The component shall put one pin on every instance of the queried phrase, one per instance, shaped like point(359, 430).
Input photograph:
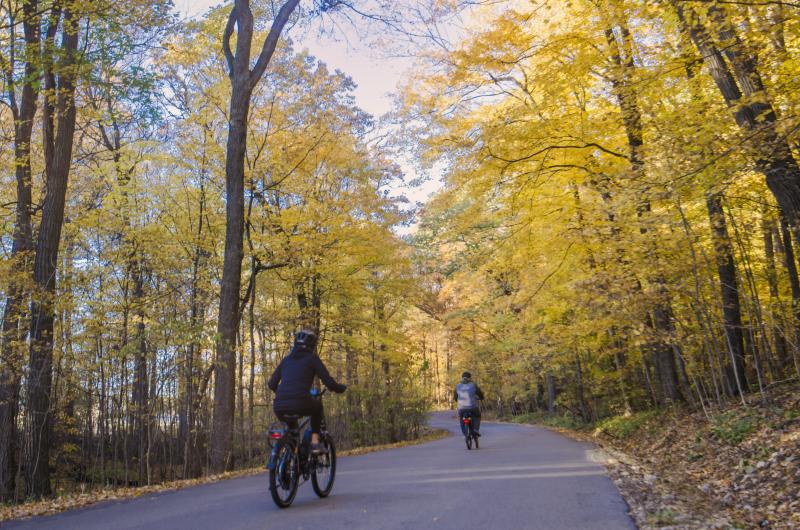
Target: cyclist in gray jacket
point(467, 395)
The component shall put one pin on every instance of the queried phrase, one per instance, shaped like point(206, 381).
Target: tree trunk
point(551, 394)
point(579, 390)
point(58, 143)
point(794, 283)
point(251, 383)
point(228, 321)
point(768, 229)
point(660, 323)
point(243, 80)
point(140, 378)
point(731, 311)
point(773, 155)
point(12, 335)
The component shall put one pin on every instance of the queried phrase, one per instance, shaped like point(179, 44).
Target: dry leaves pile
point(80, 500)
point(738, 468)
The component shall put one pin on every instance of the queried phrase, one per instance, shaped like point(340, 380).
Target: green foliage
point(560, 421)
point(626, 426)
point(732, 427)
point(664, 517)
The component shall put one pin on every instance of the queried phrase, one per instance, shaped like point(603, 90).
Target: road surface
point(522, 478)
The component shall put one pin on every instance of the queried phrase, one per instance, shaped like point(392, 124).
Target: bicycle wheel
point(283, 477)
point(324, 469)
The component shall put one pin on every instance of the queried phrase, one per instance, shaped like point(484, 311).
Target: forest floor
point(70, 501)
point(735, 467)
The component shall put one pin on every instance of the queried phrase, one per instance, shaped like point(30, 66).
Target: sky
point(376, 76)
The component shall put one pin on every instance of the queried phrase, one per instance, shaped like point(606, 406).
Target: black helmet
point(466, 375)
point(306, 339)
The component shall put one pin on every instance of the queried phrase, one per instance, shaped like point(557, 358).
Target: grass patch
point(732, 428)
point(663, 517)
point(626, 426)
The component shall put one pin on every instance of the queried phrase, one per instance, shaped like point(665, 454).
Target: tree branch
point(272, 41)
point(226, 40)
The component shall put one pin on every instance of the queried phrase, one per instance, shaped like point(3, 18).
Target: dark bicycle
point(291, 459)
point(470, 436)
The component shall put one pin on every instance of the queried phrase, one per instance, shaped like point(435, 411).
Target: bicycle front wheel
point(324, 469)
point(284, 475)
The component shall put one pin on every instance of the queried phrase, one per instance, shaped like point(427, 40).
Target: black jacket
point(293, 378)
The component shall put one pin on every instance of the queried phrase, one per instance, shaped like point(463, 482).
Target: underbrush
point(558, 421)
point(731, 427)
point(621, 427)
point(625, 426)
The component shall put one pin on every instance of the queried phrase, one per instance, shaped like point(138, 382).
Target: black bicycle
point(470, 436)
point(291, 459)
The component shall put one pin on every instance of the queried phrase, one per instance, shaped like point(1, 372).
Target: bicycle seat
point(291, 421)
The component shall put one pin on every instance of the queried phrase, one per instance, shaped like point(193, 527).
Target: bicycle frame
point(293, 435)
point(292, 462)
point(466, 420)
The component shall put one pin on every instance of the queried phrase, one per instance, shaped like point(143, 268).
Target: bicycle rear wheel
point(284, 475)
point(324, 469)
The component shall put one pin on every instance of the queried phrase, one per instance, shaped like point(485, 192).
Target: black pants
point(312, 408)
point(475, 413)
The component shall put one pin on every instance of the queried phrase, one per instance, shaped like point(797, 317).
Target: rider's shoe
point(478, 434)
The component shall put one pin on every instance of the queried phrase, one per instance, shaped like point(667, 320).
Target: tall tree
point(742, 88)
point(243, 81)
point(12, 336)
point(60, 64)
point(729, 289)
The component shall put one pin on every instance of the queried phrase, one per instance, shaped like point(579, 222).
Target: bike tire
point(286, 462)
point(323, 487)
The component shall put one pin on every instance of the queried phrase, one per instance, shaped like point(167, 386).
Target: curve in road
point(523, 477)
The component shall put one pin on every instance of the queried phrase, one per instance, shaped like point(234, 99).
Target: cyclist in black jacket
point(292, 381)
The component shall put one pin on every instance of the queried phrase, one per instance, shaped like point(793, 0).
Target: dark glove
point(341, 389)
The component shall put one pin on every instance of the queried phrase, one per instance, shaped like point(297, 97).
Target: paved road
point(521, 478)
